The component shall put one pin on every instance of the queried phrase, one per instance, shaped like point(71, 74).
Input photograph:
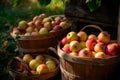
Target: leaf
point(93, 4)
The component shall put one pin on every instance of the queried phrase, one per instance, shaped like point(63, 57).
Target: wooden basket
point(39, 43)
point(27, 75)
point(76, 68)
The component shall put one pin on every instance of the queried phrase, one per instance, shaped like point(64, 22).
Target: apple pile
point(41, 24)
point(39, 64)
point(80, 44)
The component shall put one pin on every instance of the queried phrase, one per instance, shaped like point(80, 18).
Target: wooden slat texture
point(119, 26)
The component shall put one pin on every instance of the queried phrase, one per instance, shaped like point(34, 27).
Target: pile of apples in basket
point(80, 44)
point(41, 24)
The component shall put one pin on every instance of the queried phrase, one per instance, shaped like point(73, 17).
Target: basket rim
point(81, 60)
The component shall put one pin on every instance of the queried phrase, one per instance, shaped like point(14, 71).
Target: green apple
point(43, 31)
point(22, 24)
point(51, 65)
point(34, 63)
point(30, 29)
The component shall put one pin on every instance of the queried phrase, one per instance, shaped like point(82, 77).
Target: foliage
point(93, 4)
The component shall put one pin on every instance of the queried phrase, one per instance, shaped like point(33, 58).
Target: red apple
point(90, 43)
point(31, 23)
point(71, 36)
point(38, 24)
point(64, 41)
point(40, 57)
point(57, 28)
point(112, 49)
point(27, 58)
point(35, 33)
point(100, 47)
point(84, 53)
point(42, 16)
point(100, 55)
point(35, 18)
point(66, 48)
point(82, 36)
point(42, 68)
point(75, 46)
point(58, 22)
point(15, 31)
point(104, 37)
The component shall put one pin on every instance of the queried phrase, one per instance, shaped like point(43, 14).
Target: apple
point(92, 36)
point(113, 48)
point(73, 53)
point(71, 36)
point(15, 31)
point(83, 44)
point(43, 31)
point(57, 18)
point(66, 48)
point(63, 24)
point(42, 68)
point(58, 22)
point(51, 65)
point(40, 57)
point(74, 46)
point(84, 53)
point(35, 33)
point(31, 23)
point(46, 19)
point(22, 24)
point(100, 55)
point(38, 24)
point(48, 25)
point(33, 71)
point(90, 43)
point(27, 34)
point(29, 29)
point(104, 37)
point(21, 66)
point(57, 28)
point(100, 47)
point(53, 23)
point(42, 16)
point(27, 58)
point(34, 63)
point(82, 36)
point(35, 18)
point(64, 41)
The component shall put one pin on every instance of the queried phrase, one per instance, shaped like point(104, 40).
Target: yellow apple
point(100, 55)
point(73, 53)
point(71, 36)
point(92, 36)
point(104, 37)
point(75, 46)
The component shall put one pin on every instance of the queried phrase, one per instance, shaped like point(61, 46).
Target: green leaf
point(93, 4)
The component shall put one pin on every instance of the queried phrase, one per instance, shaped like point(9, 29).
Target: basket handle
point(24, 64)
point(92, 26)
